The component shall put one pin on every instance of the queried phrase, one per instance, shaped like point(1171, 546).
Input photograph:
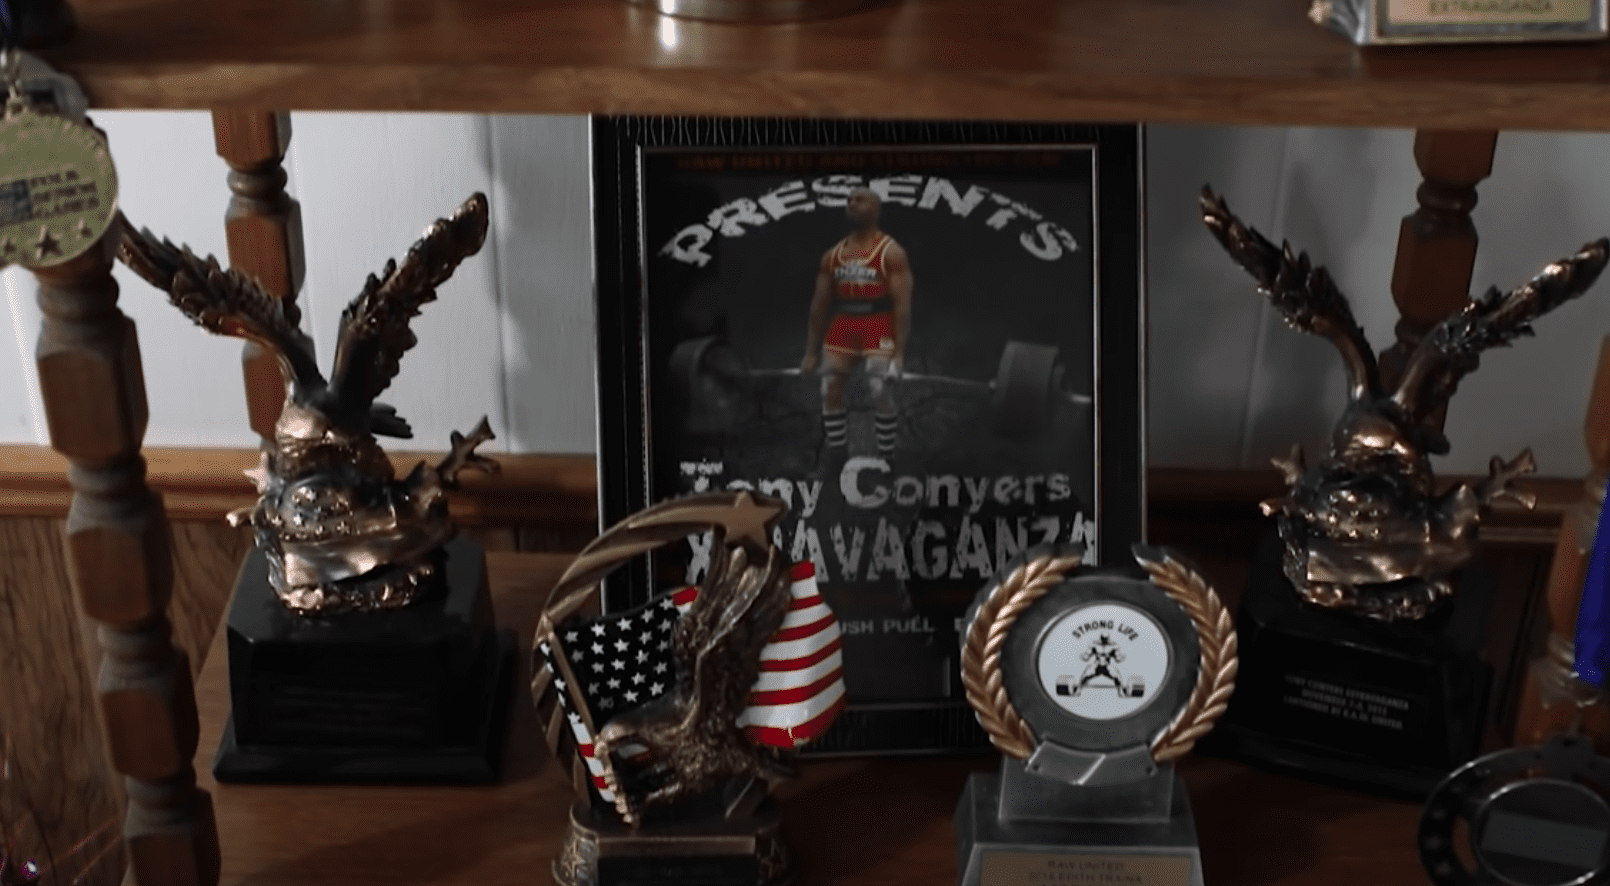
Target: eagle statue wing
point(374, 327)
point(1305, 295)
point(1452, 349)
point(226, 302)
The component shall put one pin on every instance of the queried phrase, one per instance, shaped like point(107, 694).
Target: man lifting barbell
point(860, 312)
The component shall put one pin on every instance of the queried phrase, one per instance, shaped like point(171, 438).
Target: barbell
point(1028, 382)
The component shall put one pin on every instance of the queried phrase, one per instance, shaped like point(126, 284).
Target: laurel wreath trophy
point(1091, 682)
point(676, 717)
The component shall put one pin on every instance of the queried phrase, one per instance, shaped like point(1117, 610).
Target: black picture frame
point(682, 324)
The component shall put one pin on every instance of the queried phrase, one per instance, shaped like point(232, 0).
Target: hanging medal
point(58, 188)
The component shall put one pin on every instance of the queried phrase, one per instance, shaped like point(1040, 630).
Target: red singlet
point(859, 281)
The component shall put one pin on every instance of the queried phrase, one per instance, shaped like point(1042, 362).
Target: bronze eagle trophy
point(1366, 528)
point(339, 530)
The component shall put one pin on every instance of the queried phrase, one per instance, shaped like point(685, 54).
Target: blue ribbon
point(1593, 618)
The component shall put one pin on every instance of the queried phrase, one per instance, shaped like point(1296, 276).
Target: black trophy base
point(417, 695)
point(1383, 707)
point(602, 852)
point(992, 850)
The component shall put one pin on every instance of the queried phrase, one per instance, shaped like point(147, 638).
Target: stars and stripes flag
point(618, 662)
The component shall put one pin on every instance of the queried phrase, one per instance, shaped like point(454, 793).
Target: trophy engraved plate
point(1531, 816)
point(1091, 682)
point(1090, 869)
point(1461, 21)
point(362, 642)
point(1363, 624)
point(708, 870)
point(1489, 12)
point(676, 717)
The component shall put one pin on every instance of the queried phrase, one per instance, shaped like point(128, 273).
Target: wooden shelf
point(864, 821)
point(1221, 61)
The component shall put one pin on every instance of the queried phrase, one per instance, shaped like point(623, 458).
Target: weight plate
point(1021, 403)
point(685, 371)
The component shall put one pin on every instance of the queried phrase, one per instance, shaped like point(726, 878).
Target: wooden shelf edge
point(204, 484)
point(930, 95)
point(1181, 61)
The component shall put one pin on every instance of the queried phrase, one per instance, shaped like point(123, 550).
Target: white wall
point(511, 335)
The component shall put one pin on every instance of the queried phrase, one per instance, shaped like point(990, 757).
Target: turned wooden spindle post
point(1437, 242)
point(1551, 697)
point(263, 226)
point(120, 564)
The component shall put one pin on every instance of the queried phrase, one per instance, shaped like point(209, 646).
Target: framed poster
point(926, 338)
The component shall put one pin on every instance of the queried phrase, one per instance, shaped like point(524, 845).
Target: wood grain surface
point(552, 492)
point(61, 786)
point(1224, 61)
point(883, 821)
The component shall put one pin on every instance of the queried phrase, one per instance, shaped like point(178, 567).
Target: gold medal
point(58, 188)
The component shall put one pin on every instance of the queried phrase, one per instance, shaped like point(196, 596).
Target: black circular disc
point(1542, 832)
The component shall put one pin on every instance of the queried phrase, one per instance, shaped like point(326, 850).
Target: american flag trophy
point(676, 718)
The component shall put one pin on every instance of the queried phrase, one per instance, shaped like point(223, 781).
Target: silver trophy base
point(746, 852)
point(1154, 850)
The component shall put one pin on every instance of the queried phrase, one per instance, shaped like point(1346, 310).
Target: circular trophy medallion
point(1537, 816)
point(58, 189)
point(1095, 676)
point(1104, 661)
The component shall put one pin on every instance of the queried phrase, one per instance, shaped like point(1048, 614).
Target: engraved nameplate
point(1083, 869)
point(1488, 12)
point(1461, 21)
point(678, 870)
point(1349, 703)
point(312, 713)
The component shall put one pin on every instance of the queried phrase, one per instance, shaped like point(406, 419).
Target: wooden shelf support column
point(1437, 242)
point(263, 227)
point(120, 564)
point(1551, 697)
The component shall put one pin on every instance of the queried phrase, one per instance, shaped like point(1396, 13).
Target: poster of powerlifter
point(925, 338)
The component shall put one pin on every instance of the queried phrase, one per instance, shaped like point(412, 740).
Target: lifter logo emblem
point(1104, 661)
point(1103, 657)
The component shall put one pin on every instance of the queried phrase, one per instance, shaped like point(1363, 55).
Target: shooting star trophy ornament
point(1395, 698)
point(676, 717)
point(1091, 682)
point(361, 638)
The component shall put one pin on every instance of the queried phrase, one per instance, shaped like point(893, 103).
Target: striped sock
point(887, 427)
point(836, 429)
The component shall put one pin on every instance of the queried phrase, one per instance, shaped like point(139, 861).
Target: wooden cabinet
point(1182, 61)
